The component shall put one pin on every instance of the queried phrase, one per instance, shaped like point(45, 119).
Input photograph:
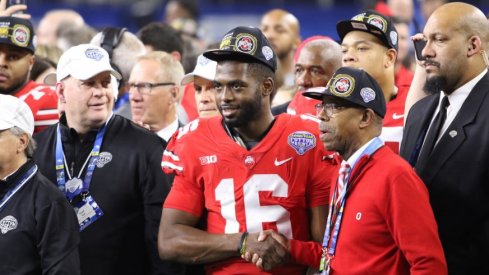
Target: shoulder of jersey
point(194, 129)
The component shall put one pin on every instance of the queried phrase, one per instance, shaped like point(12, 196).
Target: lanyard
point(20, 182)
point(332, 230)
point(91, 160)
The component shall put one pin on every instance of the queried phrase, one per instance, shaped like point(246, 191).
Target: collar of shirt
point(168, 131)
point(353, 158)
point(457, 98)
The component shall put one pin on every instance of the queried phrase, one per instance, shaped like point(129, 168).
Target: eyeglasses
point(328, 108)
point(145, 88)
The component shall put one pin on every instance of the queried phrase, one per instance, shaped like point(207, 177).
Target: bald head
point(282, 29)
point(458, 35)
point(49, 24)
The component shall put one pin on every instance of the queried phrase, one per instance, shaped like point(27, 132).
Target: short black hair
point(41, 64)
point(162, 37)
point(191, 6)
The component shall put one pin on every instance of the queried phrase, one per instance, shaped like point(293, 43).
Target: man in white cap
point(38, 228)
point(202, 77)
point(108, 168)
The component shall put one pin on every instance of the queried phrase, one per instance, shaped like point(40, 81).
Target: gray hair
point(31, 146)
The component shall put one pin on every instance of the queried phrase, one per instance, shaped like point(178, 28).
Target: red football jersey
point(271, 186)
point(393, 125)
point(43, 102)
point(302, 105)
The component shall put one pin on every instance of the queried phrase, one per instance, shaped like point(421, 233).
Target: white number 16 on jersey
point(255, 213)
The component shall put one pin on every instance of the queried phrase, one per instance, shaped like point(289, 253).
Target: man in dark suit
point(446, 136)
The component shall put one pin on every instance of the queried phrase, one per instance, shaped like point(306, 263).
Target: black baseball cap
point(247, 44)
point(353, 85)
point(17, 32)
point(374, 23)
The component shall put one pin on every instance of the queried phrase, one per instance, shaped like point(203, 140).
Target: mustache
point(431, 62)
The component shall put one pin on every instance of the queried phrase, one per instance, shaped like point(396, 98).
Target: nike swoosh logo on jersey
point(278, 163)
point(396, 116)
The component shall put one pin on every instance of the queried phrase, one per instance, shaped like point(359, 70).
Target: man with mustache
point(446, 137)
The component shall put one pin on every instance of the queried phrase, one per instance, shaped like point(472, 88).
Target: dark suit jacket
point(457, 177)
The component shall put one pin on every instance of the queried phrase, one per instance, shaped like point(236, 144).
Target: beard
point(249, 111)
point(435, 85)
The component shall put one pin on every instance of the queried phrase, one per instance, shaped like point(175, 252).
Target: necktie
point(433, 133)
point(344, 170)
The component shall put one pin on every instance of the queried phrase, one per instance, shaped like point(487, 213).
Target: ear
point(474, 46)
point(60, 91)
point(367, 118)
point(268, 86)
point(176, 55)
point(23, 142)
point(390, 58)
point(32, 60)
point(175, 93)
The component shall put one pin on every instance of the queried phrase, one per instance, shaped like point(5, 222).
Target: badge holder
point(87, 211)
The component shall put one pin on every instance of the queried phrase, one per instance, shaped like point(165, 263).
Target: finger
point(259, 263)
point(246, 256)
point(255, 258)
point(3, 5)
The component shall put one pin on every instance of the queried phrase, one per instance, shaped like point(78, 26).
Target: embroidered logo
point(20, 35)
point(342, 85)
point(378, 22)
point(302, 141)
point(367, 94)
point(103, 159)
point(8, 223)
point(94, 54)
point(267, 52)
point(246, 43)
point(205, 160)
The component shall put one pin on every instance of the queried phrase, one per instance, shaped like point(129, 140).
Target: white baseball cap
point(82, 62)
point(204, 68)
point(15, 112)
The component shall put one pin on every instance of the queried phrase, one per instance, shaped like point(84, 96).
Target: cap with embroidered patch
point(355, 86)
point(204, 68)
point(82, 62)
point(372, 22)
point(15, 112)
point(246, 44)
point(17, 32)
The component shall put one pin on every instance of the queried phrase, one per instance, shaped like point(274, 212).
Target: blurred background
point(215, 17)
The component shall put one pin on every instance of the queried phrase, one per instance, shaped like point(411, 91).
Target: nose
point(134, 94)
point(304, 80)
point(206, 95)
point(348, 57)
point(427, 51)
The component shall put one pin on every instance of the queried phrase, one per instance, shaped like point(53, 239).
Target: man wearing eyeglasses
point(107, 167)
point(379, 220)
point(154, 92)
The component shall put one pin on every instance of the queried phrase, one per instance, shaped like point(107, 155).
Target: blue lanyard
point(20, 182)
point(331, 236)
point(93, 157)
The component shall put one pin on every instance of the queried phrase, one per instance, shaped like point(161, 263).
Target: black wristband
point(242, 240)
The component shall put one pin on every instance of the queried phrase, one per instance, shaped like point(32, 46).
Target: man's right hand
point(269, 249)
point(11, 11)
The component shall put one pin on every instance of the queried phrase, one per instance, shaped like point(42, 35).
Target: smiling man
point(107, 167)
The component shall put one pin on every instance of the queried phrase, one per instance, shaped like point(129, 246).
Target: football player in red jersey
point(16, 60)
point(370, 42)
point(247, 171)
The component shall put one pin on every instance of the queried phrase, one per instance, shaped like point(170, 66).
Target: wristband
point(242, 243)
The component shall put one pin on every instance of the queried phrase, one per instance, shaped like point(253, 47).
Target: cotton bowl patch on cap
point(17, 32)
point(15, 112)
point(246, 44)
point(82, 62)
point(372, 22)
point(204, 68)
point(355, 86)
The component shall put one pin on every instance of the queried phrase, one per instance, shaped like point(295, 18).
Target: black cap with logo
point(17, 32)
point(247, 44)
point(353, 85)
point(372, 22)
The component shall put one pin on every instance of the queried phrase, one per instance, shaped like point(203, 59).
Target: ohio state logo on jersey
point(246, 43)
point(342, 85)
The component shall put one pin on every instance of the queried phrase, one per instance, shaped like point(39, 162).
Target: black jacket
point(39, 229)
point(128, 185)
point(457, 177)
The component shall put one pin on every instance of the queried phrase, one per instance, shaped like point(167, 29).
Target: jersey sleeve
point(43, 102)
point(187, 193)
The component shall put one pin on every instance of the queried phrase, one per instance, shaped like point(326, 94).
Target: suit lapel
point(454, 136)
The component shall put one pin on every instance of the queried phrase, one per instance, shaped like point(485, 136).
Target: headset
point(111, 38)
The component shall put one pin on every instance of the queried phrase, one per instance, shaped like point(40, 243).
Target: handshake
point(267, 249)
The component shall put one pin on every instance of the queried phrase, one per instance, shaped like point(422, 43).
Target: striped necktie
point(344, 171)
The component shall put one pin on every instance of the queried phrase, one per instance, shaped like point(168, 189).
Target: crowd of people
point(264, 153)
